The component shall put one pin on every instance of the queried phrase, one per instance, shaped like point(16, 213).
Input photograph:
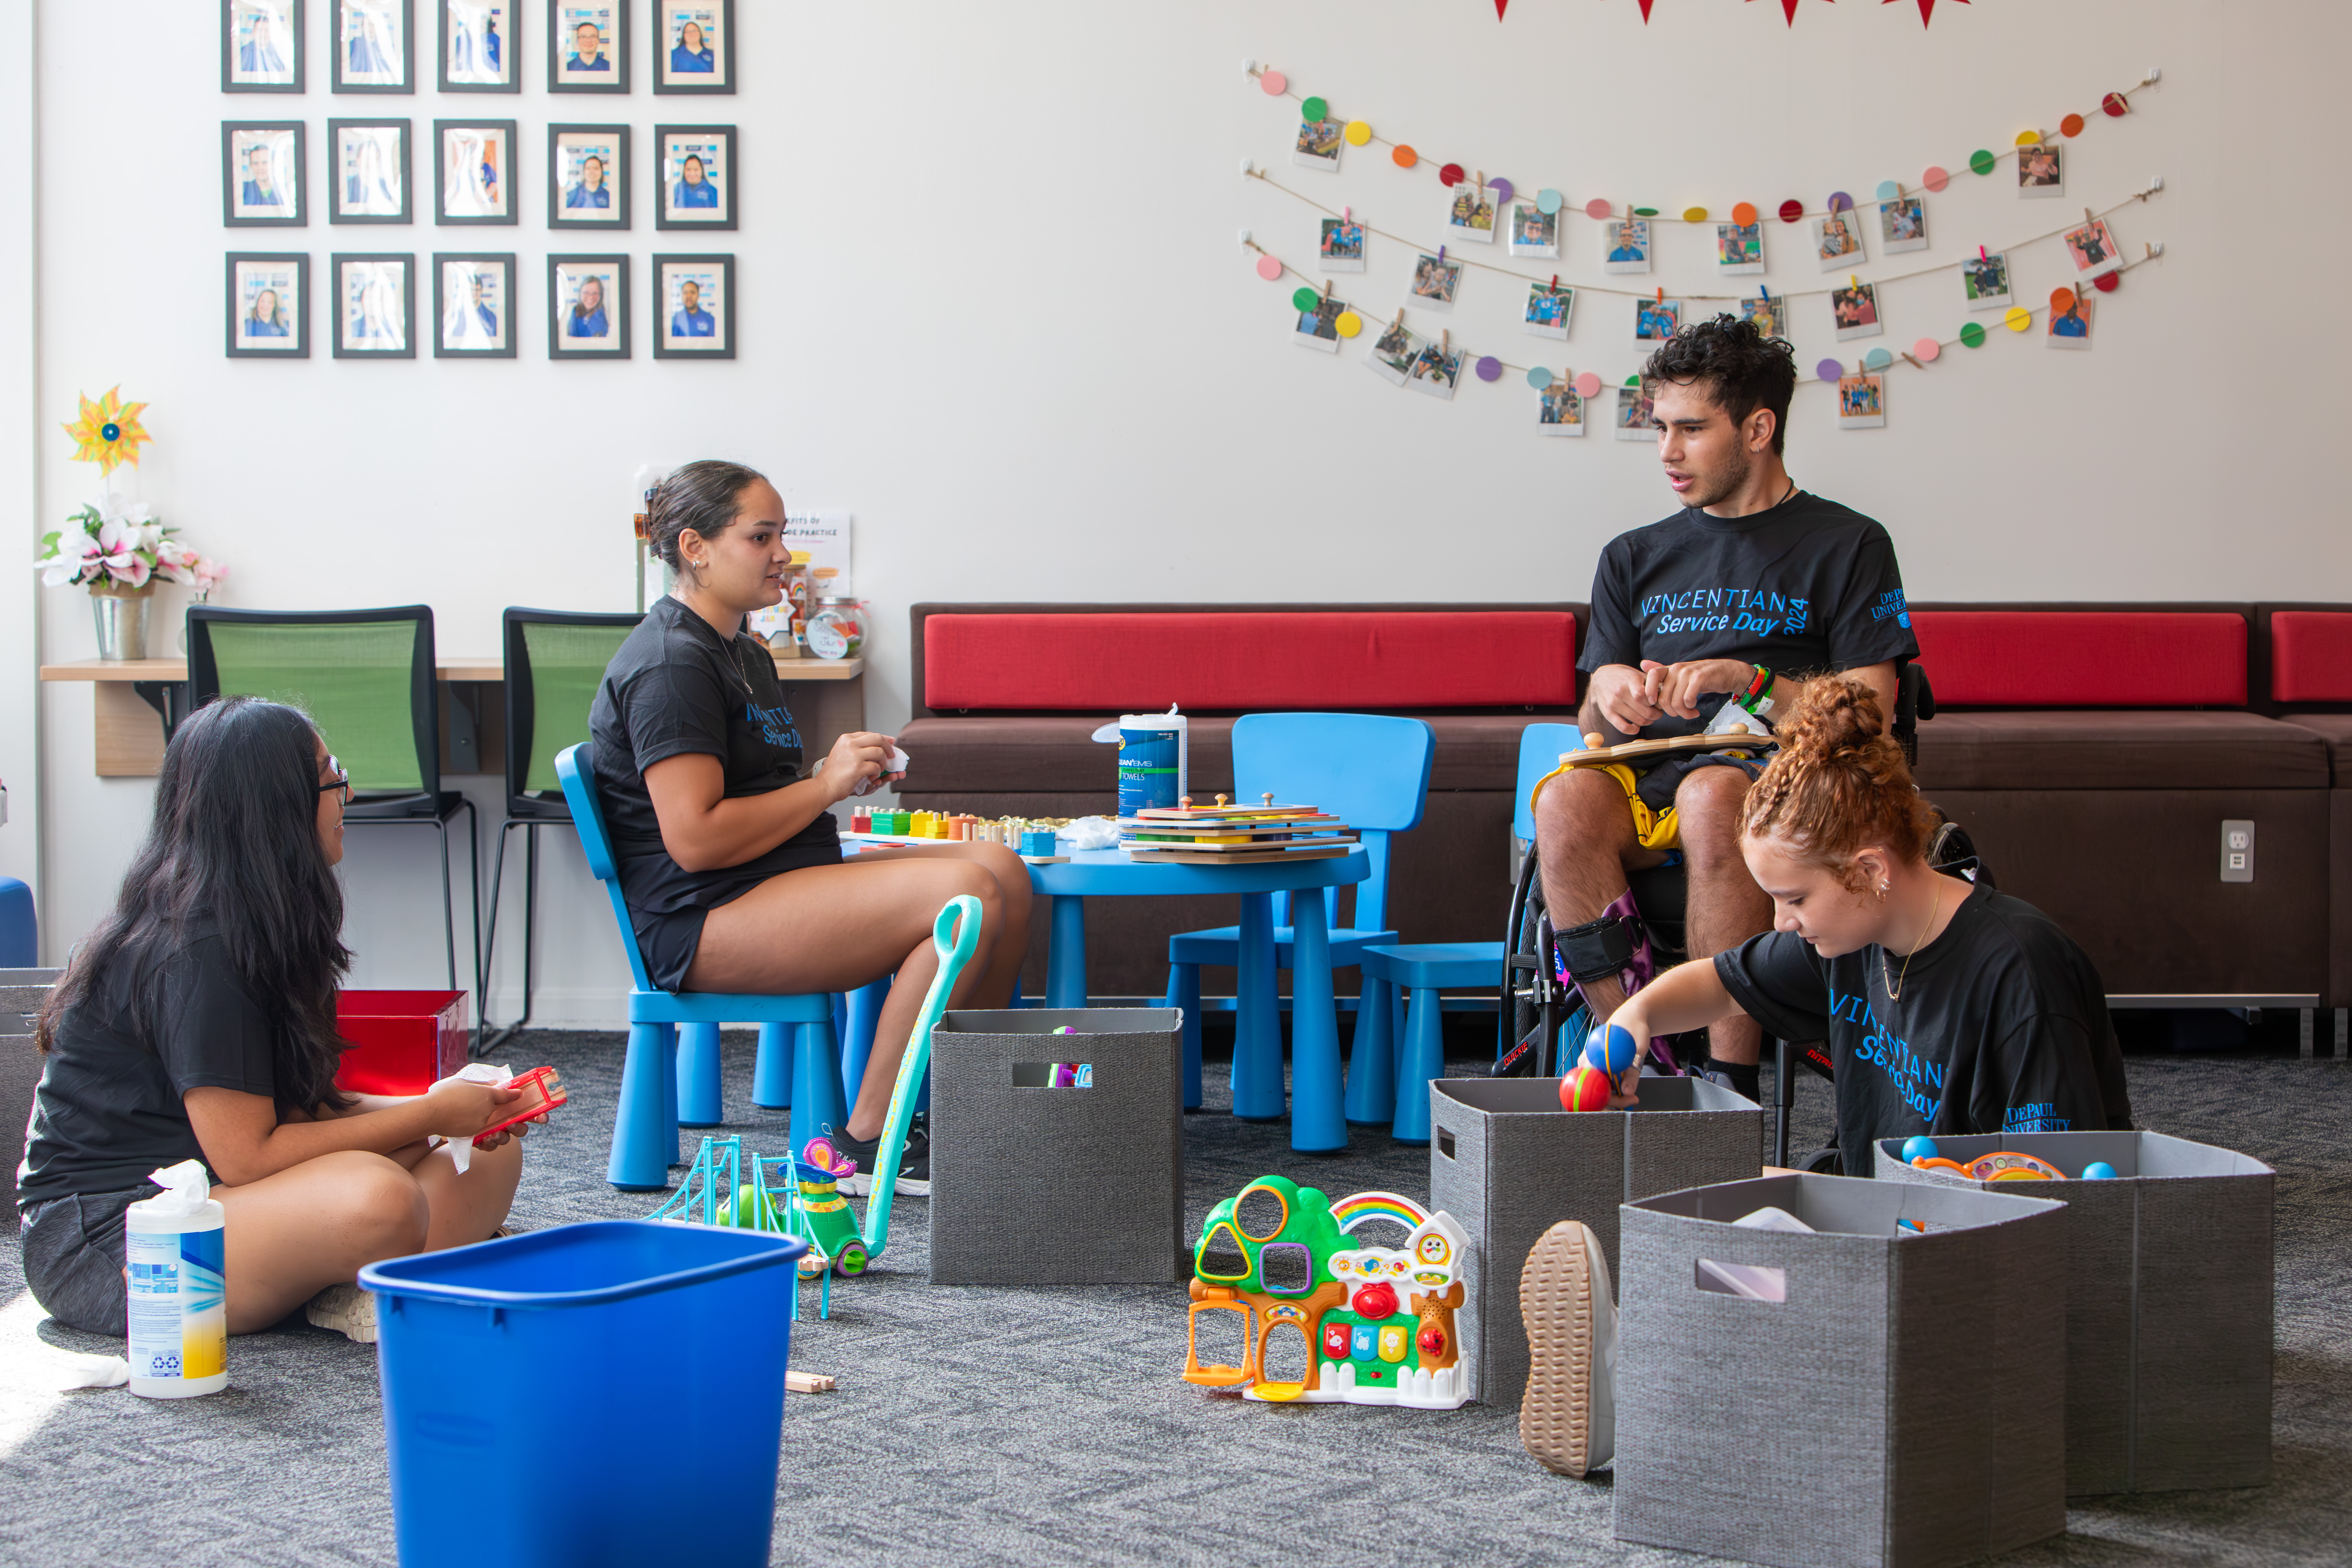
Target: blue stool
point(20, 928)
point(1424, 968)
point(1373, 773)
point(653, 1097)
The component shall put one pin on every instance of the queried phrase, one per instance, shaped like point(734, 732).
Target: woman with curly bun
point(730, 861)
point(1948, 1008)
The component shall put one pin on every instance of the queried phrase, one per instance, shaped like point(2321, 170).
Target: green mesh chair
point(555, 661)
point(366, 679)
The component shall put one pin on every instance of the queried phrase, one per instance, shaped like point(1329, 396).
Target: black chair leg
point(489, 1038)
point(1784, 1101)
point(448, 901)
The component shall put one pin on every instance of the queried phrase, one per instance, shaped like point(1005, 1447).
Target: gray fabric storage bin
point(1904, 1406)
point(1057, 1186)
point(1508, 1162)
point(2170, 1299)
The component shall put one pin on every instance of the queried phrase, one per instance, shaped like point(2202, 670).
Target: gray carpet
point(1048, 1427)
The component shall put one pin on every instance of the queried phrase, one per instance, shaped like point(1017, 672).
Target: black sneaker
point(914, 1163)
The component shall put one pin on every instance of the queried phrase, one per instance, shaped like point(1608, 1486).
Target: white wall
point(991, 301)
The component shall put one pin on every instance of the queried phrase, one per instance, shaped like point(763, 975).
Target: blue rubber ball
point(2098, 1171)
point(1611, 1047)
point(1919, 1146)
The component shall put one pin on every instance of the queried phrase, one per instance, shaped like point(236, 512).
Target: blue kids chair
point(644, 1125)
point(1428, 968)
point(1370, 771)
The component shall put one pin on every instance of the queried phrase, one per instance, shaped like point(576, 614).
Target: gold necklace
point(1895, 987)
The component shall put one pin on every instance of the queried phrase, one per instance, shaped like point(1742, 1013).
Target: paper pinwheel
point(108, 432)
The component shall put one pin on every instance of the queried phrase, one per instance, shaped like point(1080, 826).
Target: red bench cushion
point(2084, 658)
point(1141, 662)
point(2311, 656)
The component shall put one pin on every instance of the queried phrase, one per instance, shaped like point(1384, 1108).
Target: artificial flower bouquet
point(119, 547)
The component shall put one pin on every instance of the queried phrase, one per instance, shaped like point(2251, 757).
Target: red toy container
point(403, 1042)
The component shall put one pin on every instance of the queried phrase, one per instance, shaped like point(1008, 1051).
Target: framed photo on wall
point(588, 176)
point(376, 45)
point(368, 177)
point(262, 174)
point(478, 46)
point(375, 307)
point(698, 176)
point(262, 46)
point(473, 307)
point(587, 307)
point(474, 172)
point(587, 45)
point(268, 306)
point(694, 307)
point(694, 45)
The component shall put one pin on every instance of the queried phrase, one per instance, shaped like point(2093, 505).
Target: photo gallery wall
point(480, 172)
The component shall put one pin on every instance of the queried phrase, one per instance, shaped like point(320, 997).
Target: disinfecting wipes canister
point(1152, 760)
point(179, 1300)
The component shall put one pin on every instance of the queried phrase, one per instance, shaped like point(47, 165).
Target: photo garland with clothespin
point(1478, 206)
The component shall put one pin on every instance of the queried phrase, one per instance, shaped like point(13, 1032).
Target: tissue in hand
point(461, 1150)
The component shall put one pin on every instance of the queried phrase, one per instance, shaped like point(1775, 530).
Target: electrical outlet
point(2237, 851)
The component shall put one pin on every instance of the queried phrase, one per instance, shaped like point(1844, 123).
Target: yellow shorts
point(1652, 829)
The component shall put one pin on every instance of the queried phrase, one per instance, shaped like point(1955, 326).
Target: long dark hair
point(235, 846)
point(700, 496)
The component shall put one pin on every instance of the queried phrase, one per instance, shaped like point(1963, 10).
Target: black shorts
point(73, 1257)
point(1655, 786)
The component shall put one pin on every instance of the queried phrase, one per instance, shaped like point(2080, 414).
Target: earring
point(1882, 890)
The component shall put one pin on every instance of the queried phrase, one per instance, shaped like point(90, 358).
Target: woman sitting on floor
point(730, 863)
point(1948, 1008)
point(197, 1021)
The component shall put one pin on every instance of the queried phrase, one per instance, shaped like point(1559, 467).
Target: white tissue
point(185, 1187)
point(1109, 733)
point(93, 1372)
point(895, 764)
point(1089, 833)
point(1770, 1219)
point(461, 1150)
point(1731, 719)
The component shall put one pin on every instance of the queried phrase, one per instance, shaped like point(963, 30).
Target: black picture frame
point(616, 312)
point(617, 180)
point(233, 181)
point(233, 311)
point(512, 175)
point(560, 47)
point(294, 51)
point(338, 184)
point(407, 265)
point(338, 58)
point(510, 55)
point(730, 183)
point(505, 262)
point(724, 340)
point(665, 85)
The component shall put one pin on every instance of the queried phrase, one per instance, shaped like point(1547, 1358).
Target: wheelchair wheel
point(1534, 1003)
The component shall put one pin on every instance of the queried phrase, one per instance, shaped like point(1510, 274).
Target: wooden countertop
point(450, 667)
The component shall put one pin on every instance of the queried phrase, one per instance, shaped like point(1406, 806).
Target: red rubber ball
point(1376, 1301)
point(1584, 1088)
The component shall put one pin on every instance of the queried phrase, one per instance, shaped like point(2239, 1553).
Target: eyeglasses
point(343, 781)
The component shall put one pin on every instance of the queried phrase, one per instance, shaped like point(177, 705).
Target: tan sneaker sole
point(1556, 1303)
point(347, 1310)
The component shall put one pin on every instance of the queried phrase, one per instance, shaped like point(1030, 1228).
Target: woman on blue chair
point(197, 1022)
point(730, 862)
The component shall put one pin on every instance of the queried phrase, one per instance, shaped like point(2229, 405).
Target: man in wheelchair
point(1710, 620)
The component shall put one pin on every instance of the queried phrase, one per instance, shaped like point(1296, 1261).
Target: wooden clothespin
point(1441, 254)
point(1482, 183)
point(1982, 255)
point(1915, 364)
point(2088, 219)
point(1326, 288)
point(1446, 340)
point(1399, 322)
point(1854, 280)
point(1555, 282)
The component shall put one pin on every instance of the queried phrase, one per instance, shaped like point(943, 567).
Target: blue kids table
point(1317, 1122)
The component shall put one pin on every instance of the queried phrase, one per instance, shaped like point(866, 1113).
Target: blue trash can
point(609, 1392)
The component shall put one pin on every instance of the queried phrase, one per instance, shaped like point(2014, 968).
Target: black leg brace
point(1599, 950)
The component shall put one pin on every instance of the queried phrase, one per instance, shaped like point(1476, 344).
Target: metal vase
point(121, 624)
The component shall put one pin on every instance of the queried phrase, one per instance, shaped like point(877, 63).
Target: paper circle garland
point(1925, 350)
point(1937, 177)
point(2062, 299)
point(1314, 110)
point(1489, 368)
point(1972, 336)
point(1633, 379)
point(1587, 385)
point(1877, 359)
point(1502, 188)
point(1646, 212)
point(1694, 215)
point(1889, 191)
point(1405, 157)
point(2028, 138)
point(1597, 209)
point(1450, 175)
point(1791, 210)
point(1539, 378)
point(1273, 83)
point(1549, 201)
point(1828, 370)
point(1304, 299)
point(1357, 133)
point(2017, 318)
point(2105, 282)
point(1349, 324)
point(1981, 160)
point(2071, 126)
point(1743, 214)
point(1269, 269)
point(1840, 202)
point(2115, 104)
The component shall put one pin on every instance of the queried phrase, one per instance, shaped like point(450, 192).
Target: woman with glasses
point(197, 1021)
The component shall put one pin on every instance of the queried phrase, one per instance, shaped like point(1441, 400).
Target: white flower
point(131, 570)
point(116, 536)
point(151, 536)
point(122, 509)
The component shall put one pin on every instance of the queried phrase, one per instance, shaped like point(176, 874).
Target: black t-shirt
point(2003, 1026)
point(108, 1110)
point(675, 686)
point(1808, 586)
